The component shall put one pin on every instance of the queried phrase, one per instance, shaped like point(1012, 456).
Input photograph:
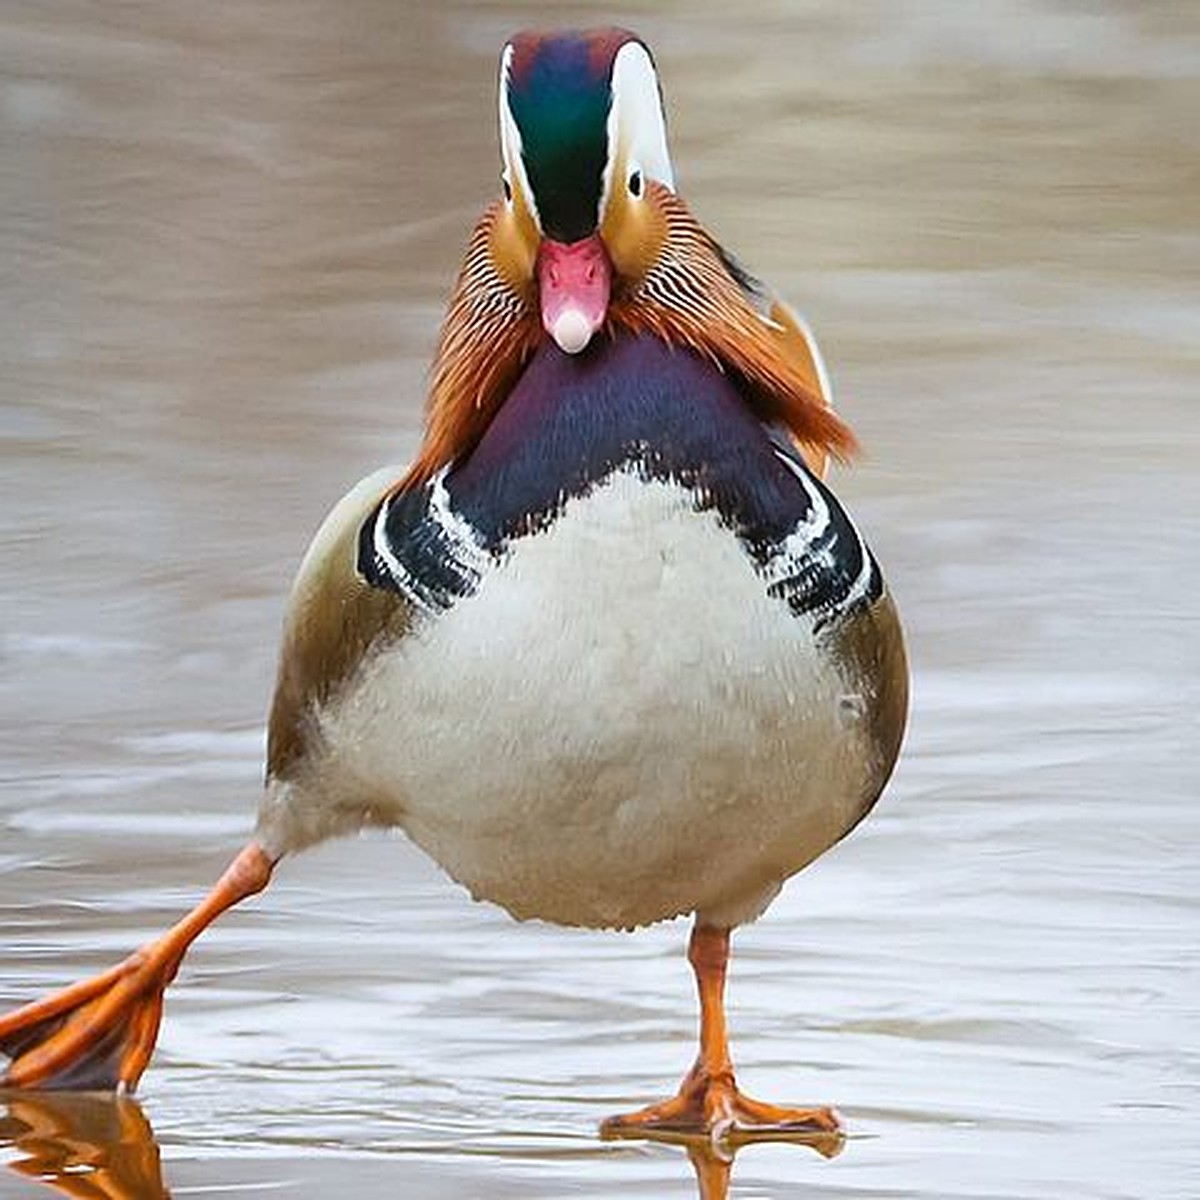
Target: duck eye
point(507, 189)
point(635, 184)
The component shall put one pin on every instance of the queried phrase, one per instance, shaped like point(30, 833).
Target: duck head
point(584, 141)
point(588, 240)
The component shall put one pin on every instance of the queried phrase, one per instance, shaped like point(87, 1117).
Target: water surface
point(227, 233)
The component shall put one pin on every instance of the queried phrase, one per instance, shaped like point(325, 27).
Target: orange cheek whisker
point(689, 297)
point(680, 290)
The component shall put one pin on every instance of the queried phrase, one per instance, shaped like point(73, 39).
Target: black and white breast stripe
point(629, 404)
point(418, 545)
point(823, 567)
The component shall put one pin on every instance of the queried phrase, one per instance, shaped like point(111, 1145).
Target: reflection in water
point(713, 1160)
point(101, 1147)
point(83, 1144)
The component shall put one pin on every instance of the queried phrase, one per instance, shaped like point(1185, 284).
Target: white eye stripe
point(636, 124)
point(510, 141)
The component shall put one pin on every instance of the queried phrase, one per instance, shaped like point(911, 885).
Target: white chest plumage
point(617, 726)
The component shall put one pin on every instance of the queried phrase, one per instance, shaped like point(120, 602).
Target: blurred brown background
point(226, 235)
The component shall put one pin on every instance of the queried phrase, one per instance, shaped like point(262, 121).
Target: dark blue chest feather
point(571, 422)
point(633, 403)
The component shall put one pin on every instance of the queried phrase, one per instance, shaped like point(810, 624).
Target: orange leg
point(85, 1146)
point(100, 1034)
point(708, 1101)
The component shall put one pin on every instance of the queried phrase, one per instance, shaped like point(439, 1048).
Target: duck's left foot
point(99, 1034)
point(713, 1107)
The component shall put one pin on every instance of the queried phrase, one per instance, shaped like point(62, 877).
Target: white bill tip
point(572, 331)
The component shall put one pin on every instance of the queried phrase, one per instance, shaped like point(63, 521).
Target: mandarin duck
point(609, 650)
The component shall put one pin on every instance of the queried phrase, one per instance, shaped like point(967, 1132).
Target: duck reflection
point(713, 1160)
point(86, 1145)
point(101, 1147)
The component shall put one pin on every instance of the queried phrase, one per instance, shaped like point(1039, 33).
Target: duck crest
point(564, 142)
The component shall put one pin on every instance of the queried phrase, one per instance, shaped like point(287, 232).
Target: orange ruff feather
point(490, 331)
point(687, 297)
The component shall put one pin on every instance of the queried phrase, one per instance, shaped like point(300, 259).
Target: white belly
point(617, 727)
